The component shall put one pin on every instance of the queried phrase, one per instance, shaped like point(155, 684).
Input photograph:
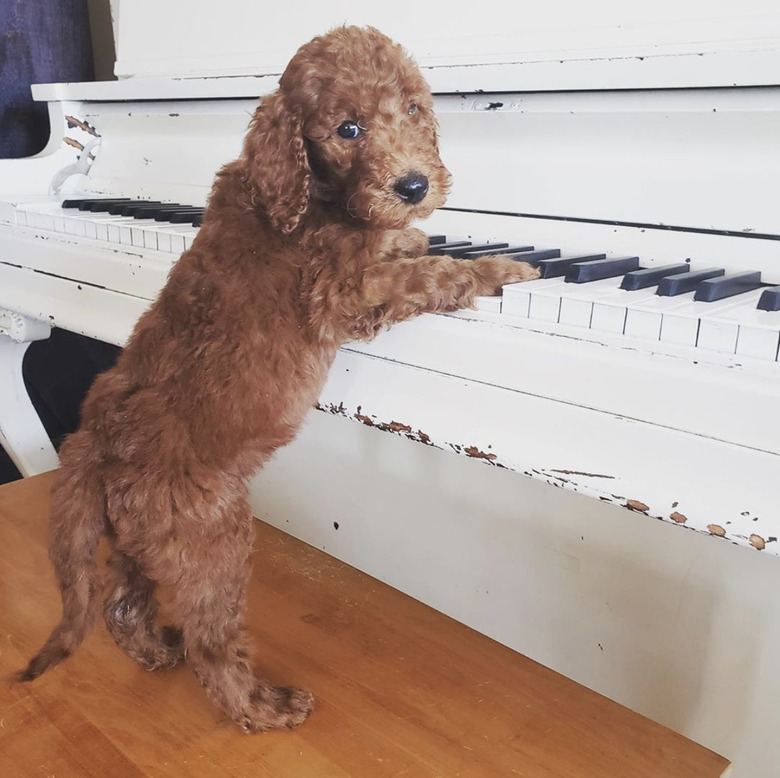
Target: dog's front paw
point(496, 271)
point(277, 707)
point(406, 243)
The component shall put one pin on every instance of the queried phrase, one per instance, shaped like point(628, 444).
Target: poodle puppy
point(305, 245)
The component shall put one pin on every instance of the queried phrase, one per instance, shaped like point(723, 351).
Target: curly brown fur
point(305, 245)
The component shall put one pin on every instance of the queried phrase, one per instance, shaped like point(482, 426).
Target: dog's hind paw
point(277, 707)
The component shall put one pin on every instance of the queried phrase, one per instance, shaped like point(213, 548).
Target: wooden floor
point(401, 690)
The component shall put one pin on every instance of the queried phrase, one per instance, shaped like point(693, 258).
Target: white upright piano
point(636, 147)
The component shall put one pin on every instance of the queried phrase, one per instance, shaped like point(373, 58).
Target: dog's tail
point(78, 522)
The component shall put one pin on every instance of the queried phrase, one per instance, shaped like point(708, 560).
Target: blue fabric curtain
point(41, 41)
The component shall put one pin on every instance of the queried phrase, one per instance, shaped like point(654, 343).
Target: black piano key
point(599, 269)
point(770, 299)
point(651, 276)
point(463, 250)
point(535, 257)
point(118, 209)
point(185, 217)
point(727, 286)
point(75, 202)
point(145, 210)
point(555, 268)
point(152, 211)
point(197, 221)
point(132, 209)
point(435, 239)
point(494, 249)
point(682, 283)
point(165, 214)
point(102, 205)
point(444, 248)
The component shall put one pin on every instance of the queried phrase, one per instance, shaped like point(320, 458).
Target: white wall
point(680, 627)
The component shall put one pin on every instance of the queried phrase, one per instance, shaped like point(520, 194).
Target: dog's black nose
point(412, 188)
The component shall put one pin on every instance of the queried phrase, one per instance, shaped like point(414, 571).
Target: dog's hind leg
point(130, 612)
point(208, 602)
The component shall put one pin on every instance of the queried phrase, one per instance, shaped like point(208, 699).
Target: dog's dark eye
point(412, 109)
point(348, 130)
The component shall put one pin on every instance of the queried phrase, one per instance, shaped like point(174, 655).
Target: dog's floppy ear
point(276, 167)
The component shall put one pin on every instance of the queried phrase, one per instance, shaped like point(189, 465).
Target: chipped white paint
point(592, 425)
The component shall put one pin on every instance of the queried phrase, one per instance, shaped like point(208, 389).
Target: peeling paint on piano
point(587, 483)
point(72, 122)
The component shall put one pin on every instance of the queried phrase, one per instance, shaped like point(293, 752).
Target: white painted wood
point(678, 626)
point(704, 169)
point(600, 454)
point(687, 159)
point(244, 38)
point(21, 433)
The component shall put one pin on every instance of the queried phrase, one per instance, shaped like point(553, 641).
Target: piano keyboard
point(705, 308)
point(700, 308)
point(143, 224)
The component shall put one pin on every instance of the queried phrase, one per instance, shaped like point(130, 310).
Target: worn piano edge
point(745, 521)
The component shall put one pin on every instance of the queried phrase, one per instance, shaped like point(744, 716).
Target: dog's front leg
point(396, 244)
point(395, 291)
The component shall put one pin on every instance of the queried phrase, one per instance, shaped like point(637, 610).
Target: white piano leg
point(21, 433)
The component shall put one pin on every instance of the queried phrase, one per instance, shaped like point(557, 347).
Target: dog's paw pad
point(277, 707)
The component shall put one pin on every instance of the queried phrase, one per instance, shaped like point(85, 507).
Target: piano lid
point(563, 44)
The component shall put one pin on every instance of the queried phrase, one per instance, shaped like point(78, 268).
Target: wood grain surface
point(401, 689)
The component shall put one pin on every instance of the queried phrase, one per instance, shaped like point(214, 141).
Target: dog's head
point(352, 126)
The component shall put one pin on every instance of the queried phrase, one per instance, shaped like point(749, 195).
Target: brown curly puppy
point(305, 245)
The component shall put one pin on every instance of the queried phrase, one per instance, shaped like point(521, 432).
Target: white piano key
point(545, 303)
point(643, 319)
point(142, 233)
point(610, 312)
point(517, 297)
point(757, 332)
point(7, 212)
point(577, 300)
point(152, 238)
point(77, 226)
point(718, 335)
point(681, 325)
point(758, 342)
point(189, 237)
point(491, 304)
point(170, 237)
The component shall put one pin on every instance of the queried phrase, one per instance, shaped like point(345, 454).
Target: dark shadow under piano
point(57, 373)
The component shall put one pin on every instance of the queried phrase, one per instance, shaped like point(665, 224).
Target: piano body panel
point(653, 469)
point(699, 159)
point(166, 150)
point(617, 379)
point(127, 270)
point(75, 306)
point(680, 627)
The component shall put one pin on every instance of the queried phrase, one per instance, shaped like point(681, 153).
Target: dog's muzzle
point(412, 188)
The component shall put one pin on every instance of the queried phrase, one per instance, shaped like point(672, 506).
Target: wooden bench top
point(401, 689)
